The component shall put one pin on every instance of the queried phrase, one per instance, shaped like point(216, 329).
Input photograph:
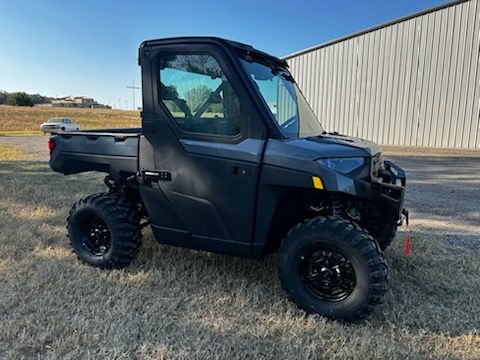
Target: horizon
point(60, 51)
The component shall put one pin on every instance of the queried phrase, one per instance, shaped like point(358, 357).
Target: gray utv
point(231, 159)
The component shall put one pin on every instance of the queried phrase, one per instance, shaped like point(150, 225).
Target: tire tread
point(357, 238)
point(125, 228)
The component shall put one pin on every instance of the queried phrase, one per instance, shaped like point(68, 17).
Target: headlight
point(343, 165)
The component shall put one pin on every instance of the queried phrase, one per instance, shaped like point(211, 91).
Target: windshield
point(285, 100)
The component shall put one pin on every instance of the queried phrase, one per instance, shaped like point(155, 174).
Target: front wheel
point(104, 230)
point(331, 266)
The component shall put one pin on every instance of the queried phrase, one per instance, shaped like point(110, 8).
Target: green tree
point(3, 97)
point(197, 96)
point(19, 99)
point(40, 99)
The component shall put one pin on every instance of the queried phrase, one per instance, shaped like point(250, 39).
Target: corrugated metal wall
point(413, 82)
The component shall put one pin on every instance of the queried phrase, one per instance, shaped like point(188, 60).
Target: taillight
point(51, 145)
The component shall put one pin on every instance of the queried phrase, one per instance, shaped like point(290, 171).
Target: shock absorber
point(336, 206)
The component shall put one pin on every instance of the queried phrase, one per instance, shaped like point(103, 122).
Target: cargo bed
point(113, 151)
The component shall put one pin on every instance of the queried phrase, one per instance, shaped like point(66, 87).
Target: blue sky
point(88, 47)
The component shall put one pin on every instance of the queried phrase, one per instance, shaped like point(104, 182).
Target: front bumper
point(49, 128)
point(389, 187)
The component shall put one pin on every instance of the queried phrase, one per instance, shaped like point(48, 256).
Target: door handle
point(157, 175)
point(240, 171)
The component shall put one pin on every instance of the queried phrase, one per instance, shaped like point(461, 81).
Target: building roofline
point(373, 28)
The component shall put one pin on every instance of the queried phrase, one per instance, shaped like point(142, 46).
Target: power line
point(133, 87)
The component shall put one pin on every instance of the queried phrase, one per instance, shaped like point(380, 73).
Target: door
point(201, 153)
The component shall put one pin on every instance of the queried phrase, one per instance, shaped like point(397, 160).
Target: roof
point(373, 28)
point(213, 39)
point(73, 97)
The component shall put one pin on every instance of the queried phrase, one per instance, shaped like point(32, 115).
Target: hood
point(301, 153)
point(368, 147)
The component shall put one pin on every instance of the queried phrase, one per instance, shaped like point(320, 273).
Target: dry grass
point(177, 303)
point(12, 153)
point(19, 120)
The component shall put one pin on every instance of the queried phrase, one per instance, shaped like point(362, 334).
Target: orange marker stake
point(408, 240)
point(408, 245)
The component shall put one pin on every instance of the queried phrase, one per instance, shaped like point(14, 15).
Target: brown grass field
point(175, 303)
point(26, 120)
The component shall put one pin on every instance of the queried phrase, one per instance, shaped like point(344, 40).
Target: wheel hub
point(327, 274)
point(97, 239)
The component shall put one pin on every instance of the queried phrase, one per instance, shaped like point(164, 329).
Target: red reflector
point(408, 245)
point(51, 146)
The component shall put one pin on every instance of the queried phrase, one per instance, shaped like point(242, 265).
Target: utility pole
point(133, 87)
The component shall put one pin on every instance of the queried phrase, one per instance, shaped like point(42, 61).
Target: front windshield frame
point(302, 121)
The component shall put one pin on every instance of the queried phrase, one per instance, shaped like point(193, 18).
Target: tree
point(40, 99)
point(23, 99)
point(197, 96)
point(19, 99)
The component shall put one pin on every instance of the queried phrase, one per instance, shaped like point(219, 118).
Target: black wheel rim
point(327, 274)
point(96, 236)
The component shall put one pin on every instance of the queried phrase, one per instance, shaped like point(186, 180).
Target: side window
point(198, 94)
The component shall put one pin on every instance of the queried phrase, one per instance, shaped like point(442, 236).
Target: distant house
point(78, 102)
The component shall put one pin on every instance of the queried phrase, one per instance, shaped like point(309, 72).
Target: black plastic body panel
point(109, 151)
point(390, 188)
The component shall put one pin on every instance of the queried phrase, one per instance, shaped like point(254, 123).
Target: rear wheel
point(331, 266)
point(104, 230)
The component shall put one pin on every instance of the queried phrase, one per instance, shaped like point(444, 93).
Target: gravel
point(443, 196)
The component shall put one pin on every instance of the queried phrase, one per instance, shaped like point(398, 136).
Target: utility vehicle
point(231, 159)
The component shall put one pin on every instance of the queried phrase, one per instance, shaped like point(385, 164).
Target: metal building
point(414, 81)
